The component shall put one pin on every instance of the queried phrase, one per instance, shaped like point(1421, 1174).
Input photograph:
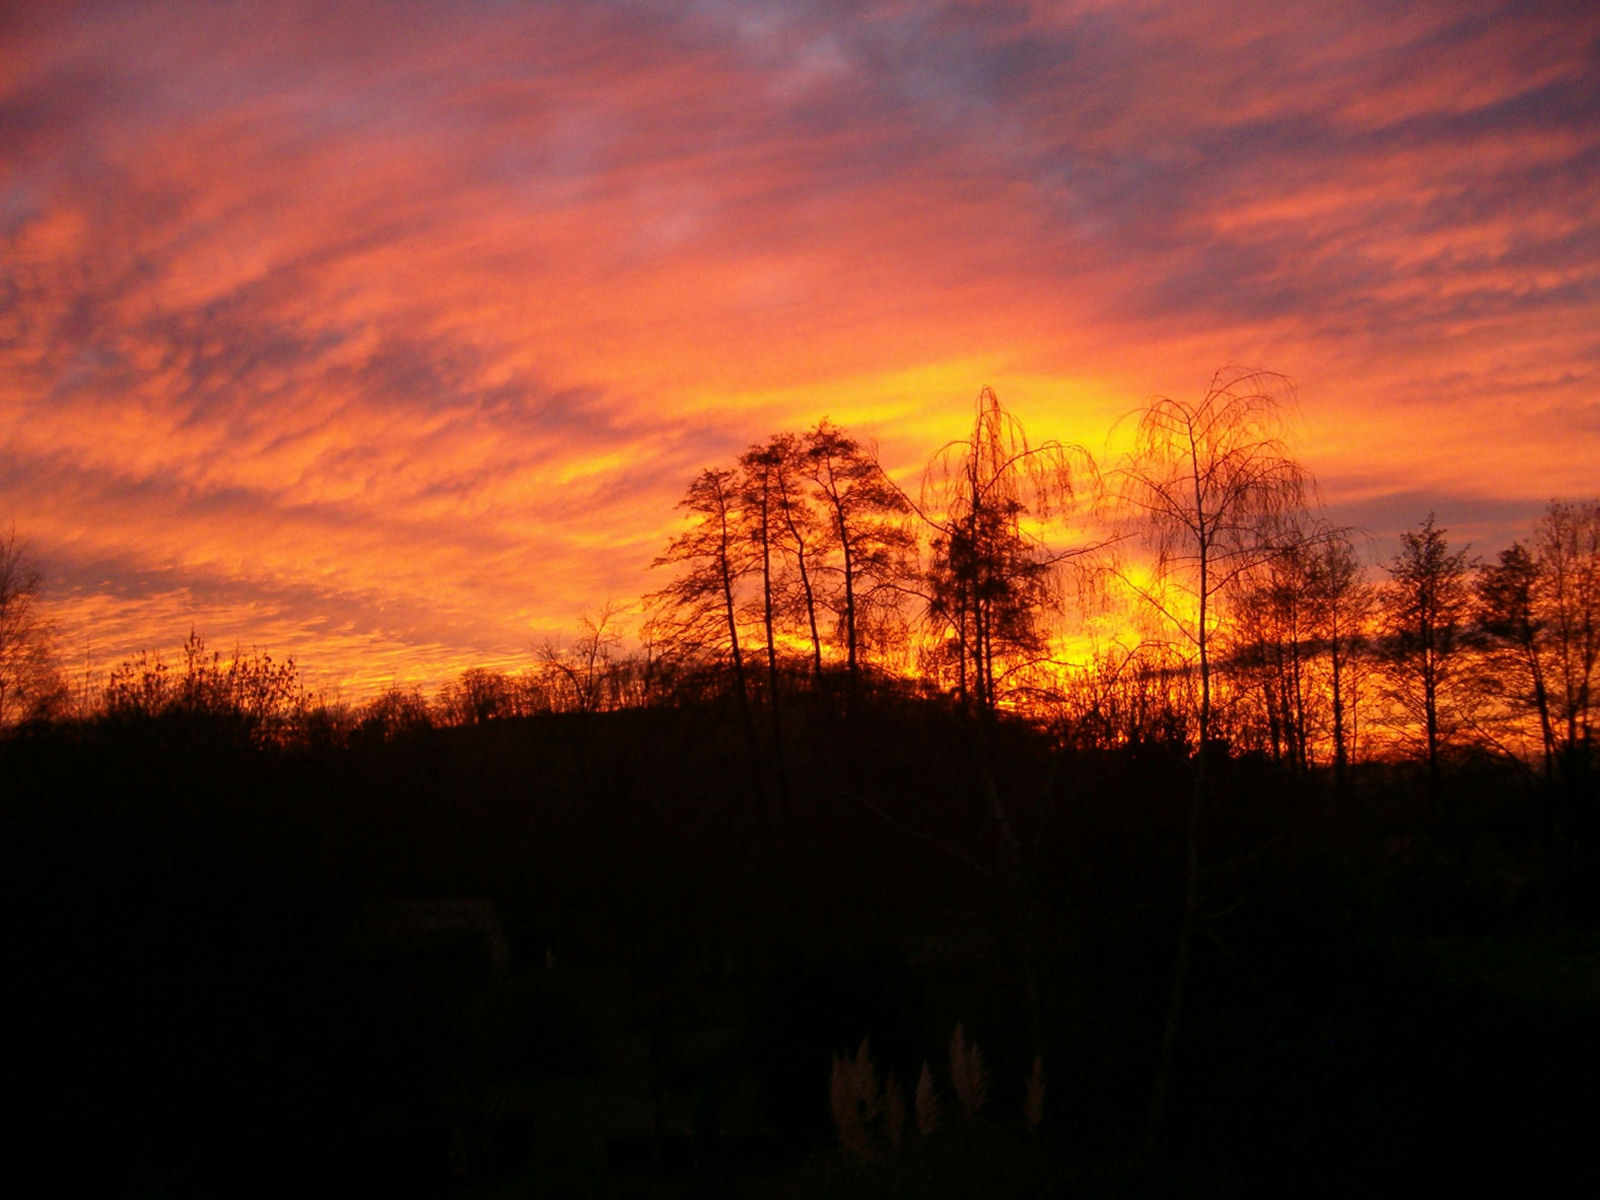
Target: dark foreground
point(609, 956)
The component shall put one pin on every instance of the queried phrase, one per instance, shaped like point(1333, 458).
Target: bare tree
point(30, 682)
point(1272, 653)
point(1125, 697)
point(865, 515)
point(1568, 553)
point(1210, 483)
point(800, 536)
point(1298, 620)
point(990, 587)
point(713, 558)
point(764, 472)
point(581, 675)
point(1342, 604)
point(1516, 633)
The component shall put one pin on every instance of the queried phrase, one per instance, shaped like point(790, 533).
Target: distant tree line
point(805, 574)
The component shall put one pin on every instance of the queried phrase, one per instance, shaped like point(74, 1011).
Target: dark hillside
point(605, 950)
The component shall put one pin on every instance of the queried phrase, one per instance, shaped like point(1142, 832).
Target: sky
point(389, 335)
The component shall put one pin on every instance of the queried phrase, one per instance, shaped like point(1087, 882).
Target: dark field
point(608, 955)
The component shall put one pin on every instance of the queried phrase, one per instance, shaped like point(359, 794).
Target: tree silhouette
point(1342, 604)
point(1125, 697)
point(715, 556)
point(1272, 657)
point(1427, 607)
point(863, 512)
point(799, 535)
point(1516, 633)
point(763, 483)
point(990, 586)
point(30, 684)
point(1298, 619)
point(581, 675)
point(394, 713)
point(480, 695)
point(1568, 550)
point(714, 559)
point(993, 580)
point(1211, 484)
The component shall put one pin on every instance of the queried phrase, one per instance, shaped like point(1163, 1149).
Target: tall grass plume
point(1033, 1098)
point(855, 1100)
point(927, 1104)
point(968, 1076)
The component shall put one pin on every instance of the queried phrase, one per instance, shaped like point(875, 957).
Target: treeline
point(1189, 593)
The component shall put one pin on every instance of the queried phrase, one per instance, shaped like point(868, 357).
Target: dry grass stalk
point(927, 1104)
point(1033, 1101)
point(968, 1075)
point(855, 1100)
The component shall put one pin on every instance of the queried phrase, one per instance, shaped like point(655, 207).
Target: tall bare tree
point(1568, 553)
point(716, 558)
point(766, 483)
point(989, 591)
point(1343, 602)
point(871, 547)
point(1210, 484)
point(802, 539)
point(713, 560)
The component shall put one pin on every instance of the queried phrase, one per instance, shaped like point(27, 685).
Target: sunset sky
point(390, 334)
